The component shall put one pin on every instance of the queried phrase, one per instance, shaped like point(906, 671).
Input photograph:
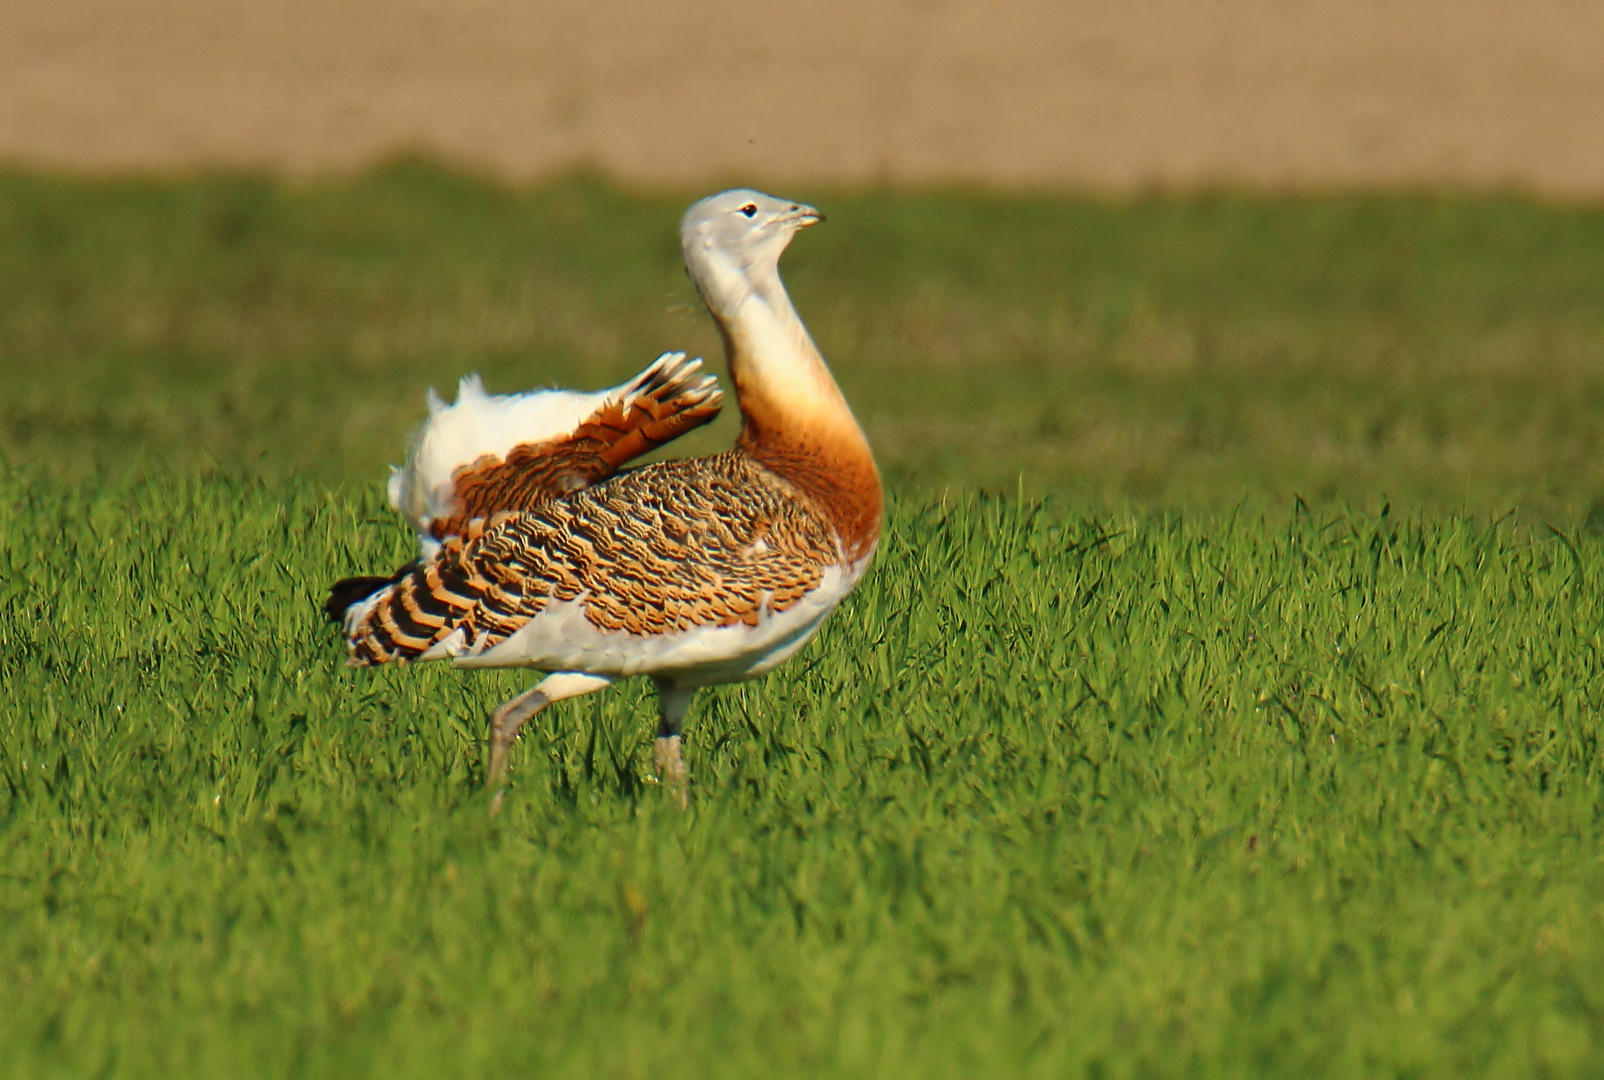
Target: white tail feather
point(478, 424)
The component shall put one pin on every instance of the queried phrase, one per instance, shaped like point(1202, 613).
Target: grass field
point(1124, 761)
point(1175, 352)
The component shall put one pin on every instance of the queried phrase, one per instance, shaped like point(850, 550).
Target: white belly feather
point(561, 638)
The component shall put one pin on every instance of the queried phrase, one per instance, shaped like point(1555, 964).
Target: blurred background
point(1165, 251)
point(1041, 93)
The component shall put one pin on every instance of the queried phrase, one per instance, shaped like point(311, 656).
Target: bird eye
point(750, 209)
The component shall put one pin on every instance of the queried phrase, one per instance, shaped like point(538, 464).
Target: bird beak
point(803, 215)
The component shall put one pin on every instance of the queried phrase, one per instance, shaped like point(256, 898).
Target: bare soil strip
point(1033, 92)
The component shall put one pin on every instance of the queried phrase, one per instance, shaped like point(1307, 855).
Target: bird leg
point(673, 703)
point(507, 720)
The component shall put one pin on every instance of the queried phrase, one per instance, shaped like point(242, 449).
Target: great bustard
point(536, 553)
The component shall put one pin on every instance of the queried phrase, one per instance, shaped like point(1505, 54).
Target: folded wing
point(626, 577)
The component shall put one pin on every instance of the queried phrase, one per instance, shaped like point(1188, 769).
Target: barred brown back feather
point(840, 479)
point(700, 542)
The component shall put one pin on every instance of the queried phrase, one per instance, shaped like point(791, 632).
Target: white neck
point(777, 369)
point(795, 420)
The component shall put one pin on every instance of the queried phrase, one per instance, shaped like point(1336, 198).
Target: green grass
point(1168, 773)
point(1138, 795)
point(1167, 351)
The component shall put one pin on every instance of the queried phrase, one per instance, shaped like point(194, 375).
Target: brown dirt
point(1033, 92)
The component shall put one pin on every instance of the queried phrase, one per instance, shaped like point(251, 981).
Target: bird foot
point(671, 770)
point(496, 778)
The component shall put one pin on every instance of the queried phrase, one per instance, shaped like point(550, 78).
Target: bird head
point(732, 243)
